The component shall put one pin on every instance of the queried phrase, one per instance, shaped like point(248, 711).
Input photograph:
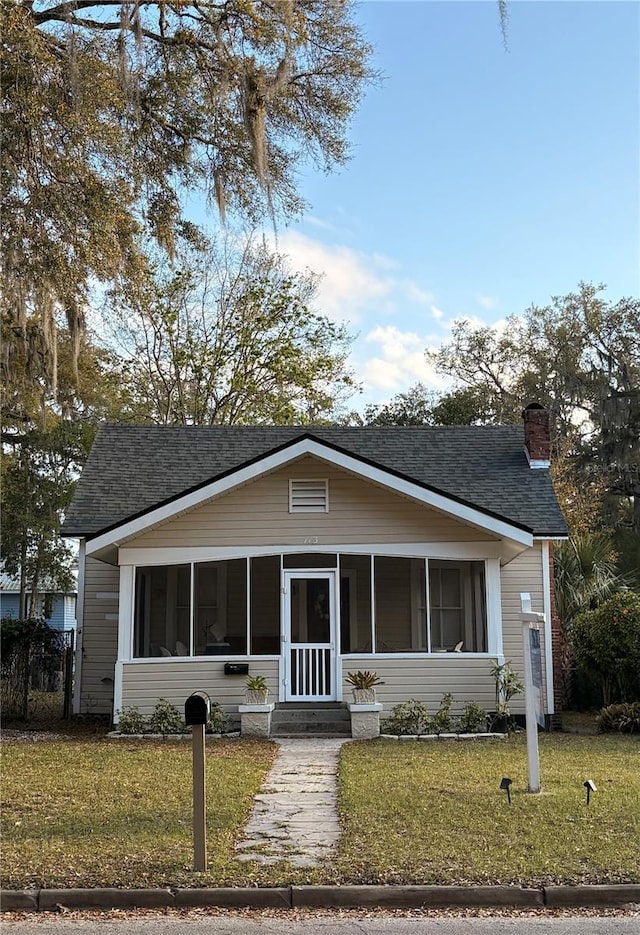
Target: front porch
point(426, 624)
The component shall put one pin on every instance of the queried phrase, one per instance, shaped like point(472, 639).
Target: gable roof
point(133, 469)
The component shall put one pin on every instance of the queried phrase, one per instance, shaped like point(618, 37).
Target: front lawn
point(432, 812)
point(90, 812)
point(107, 813)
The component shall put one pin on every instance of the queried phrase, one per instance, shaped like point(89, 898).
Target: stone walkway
point(295, 816)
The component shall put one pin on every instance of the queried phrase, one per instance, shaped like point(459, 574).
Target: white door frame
point(311, 656)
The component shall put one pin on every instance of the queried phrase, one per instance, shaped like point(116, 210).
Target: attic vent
point(308, 496)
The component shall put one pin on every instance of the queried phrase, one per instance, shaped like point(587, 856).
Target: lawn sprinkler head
point(505, 785)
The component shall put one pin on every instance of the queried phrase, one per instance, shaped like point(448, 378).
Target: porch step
point(296, 719)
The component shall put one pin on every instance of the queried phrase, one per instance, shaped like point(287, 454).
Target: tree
point(580, 357)
point(114, 111)
point(606, 643)
point(421, 406)
point(230, 337)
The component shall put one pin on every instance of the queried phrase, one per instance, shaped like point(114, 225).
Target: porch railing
point(311, 671)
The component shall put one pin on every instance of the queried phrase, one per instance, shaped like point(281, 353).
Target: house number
point(311, 540)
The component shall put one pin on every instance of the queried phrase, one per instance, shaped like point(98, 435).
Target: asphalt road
point(329, 925)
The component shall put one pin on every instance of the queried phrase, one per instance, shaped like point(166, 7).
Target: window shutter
point(308, 496)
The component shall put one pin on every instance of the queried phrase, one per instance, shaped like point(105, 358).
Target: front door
point(309, 636)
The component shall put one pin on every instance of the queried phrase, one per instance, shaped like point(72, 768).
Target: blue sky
point(482, 180)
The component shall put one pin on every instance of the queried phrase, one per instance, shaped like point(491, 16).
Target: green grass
point(89, 812)
point(433, 813)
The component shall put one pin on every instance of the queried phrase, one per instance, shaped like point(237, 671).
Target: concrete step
point(297, 716)
point(311, 719)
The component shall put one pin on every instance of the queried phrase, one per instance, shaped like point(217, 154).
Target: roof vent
point(308, 496)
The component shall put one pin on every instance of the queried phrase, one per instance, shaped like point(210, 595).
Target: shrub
point(473, 719)
point(166, 719)
point(410, 717)
point(620, 718)
point(218, 720)
point(442, 722)
point(130, 721)
point(508, 683)
point(606, 645)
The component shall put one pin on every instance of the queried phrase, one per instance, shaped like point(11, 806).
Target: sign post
point(196, 714)
point(532, 686)
point(199, 815)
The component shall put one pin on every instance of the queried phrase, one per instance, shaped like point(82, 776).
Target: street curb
point(256, 897)
point(599, 895)
point(327, 897)
point(412, 897)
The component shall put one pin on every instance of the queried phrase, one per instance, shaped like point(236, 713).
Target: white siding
point(144, 681)
point(258, 514)
point(99, 637)
point(427, 680)
point(523, 574)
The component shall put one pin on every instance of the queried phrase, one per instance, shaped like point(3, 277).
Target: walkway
point(295, 816)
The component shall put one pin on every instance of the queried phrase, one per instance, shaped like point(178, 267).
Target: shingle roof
point(133, 468)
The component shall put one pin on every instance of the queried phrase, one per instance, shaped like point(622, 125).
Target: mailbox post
point(197, 710)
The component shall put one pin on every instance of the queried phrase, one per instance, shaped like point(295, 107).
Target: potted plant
point(256, 691)
point(363, 685)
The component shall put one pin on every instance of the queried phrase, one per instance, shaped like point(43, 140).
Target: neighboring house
point(308, 553)
point(57, 607)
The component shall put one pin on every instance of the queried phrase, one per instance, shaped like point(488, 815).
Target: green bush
point(473, 719)
point(410, 717)
point(605, 644)
point(166, 719)
point(218, 720)
point(620, 718)
point(130, 721)
point(442, 722)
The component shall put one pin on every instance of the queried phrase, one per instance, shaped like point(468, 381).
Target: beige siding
point(427, 680)
point(99, 637)
point(144, 682)
point(523, 574)
point(258, 514)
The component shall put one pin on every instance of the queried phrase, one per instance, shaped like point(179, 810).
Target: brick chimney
point(537, 440)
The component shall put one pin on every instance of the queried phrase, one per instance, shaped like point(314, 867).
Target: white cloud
point(351, 281)
point(487, 301)
point(437, 313)
point(400, 361)
point(355, 285)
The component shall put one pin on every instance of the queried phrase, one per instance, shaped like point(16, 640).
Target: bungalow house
point(55, 606)
point(306, 553)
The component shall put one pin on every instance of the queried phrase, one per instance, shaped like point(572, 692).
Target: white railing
point(310, 671)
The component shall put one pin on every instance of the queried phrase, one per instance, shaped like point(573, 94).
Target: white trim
point(420, 655)
point(117, 690)
point(462, 551)
point(190, 660)
point(77, 687)
point(548, 637)
point(308, 446)
point(125, 613)
point(494, 608)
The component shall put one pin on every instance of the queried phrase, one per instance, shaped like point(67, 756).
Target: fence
point(37, 663)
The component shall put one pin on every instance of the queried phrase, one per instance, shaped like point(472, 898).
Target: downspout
point(77, 684)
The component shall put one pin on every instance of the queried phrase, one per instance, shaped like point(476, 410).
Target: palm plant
point(585, 574)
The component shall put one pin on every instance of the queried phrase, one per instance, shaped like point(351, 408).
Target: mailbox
point(197, 709)
point(236, 668)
